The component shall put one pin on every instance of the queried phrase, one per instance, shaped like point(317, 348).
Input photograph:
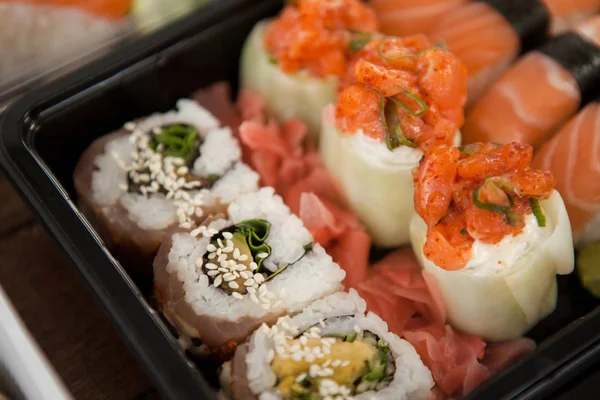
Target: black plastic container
point(43, 135)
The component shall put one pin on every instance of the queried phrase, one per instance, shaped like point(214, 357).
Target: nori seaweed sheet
point(529, 18)
point(581, 58)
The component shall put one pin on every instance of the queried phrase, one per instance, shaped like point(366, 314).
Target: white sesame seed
point(237, 295)
point(232, 263)
point(229, 278)
point(251, 290)
point(309, 358)
point(326, 363)
point(297, 357)
point(220, 243)
point(301, 377)
point(182, 170)
point(223, 269)
point(345, 363)
point(211, 247)
point(253, 266)
point(236, 253)
point(212, 256)
point(234, 285)
point(303, 340)
point(228, 249)
point(243, 257)
point(211, 266)
point(335, 363)
point(218, 281)
point(227, 235)
point(262, 255)
point(249, 282)
point(259, 278)
point(130, 126)
point(199, 262)
point(313, 370)
point(213, 273)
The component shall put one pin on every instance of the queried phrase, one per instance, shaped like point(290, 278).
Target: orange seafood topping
point(480, 191)
point(315, 35)
point(113, 9)
point(403, 87)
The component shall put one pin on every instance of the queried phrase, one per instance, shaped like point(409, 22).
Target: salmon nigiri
point(541, 91)
point(408, 17)
point(489, 35)
point(568, 13)
point(573, 156)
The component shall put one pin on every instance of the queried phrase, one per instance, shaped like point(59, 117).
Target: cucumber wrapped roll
point(407, 98)
point(161, 172)
point(332, 350)
point(295, 60)
point(493, 233)
point(219, 282)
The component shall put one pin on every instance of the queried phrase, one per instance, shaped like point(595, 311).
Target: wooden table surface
point(75, 335)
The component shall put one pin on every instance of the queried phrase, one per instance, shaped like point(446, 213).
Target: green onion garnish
point(391, 140)
point(503, 184)
point(463, 231)
point(213, 177)
point(359, 40)
point(424, 107)
point(375, 374)
point(273, 60)
point(538, 212)
point(468, 149)
point(441, 45)
point(513, 218)
point(177, 140)
point(274, 274)
point(351, 337)
point(336, 335)
point(308, 246)
point(493, 207)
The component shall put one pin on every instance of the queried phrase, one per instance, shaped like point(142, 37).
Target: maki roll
point(404, 97)
point(161, 172)
point(219, 282)
point(331, 350)
point(493, 233)
point(295, 60)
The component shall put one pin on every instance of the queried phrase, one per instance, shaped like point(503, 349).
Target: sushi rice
point(339, 314)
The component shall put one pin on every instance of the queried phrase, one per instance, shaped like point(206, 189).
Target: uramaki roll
point(161, 172)
point(220, 282)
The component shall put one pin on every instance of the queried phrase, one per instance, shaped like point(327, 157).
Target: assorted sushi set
point(383, 211)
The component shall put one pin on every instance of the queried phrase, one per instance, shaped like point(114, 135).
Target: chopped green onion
point(351, 337)
point(441, 45)
point(213, 177)
point(513, 218)
point(468, 149)
point(336, 335)
point(422, 104)
point(497, 208)
point(463, 231)
point(538, 212)
point(502, 183)
point(391, 141)
point(391, 115)
point(359, 40)
point(274, 274)
point(374, 374)
point(273, 60)
point(382, 344)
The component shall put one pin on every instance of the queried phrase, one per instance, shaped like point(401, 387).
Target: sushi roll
point(572, 156)
point(493, 234)
point(539, 94)
point(568, 13)
point(219, 282)
point(332, 350)
point(295, 60)
point(407, 97)
point(488, 36)
point(162, 172)
point(409, 17)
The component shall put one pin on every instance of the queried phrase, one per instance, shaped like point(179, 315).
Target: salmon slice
point(484, 41)
point(529, 102)
point(573, 156)
point(567, 13)
point(408, 17)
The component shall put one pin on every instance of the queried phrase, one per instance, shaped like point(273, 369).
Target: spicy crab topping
point(234, 261)
point(316, 35)
point(315, 366)
point(403, 91)
point(480, 191)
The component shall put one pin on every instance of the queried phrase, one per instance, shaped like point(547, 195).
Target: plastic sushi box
point(45, 132)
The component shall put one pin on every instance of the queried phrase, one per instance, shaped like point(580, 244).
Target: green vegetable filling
point(177, 140)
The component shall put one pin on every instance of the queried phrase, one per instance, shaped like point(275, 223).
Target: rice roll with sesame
point(161, 172)
point(219, 282)
point(333, 349)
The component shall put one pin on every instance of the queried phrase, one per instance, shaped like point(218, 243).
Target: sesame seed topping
point(218, 281)
point(237, 295)
point(253, 266)
point(234, 285)
point(227, 235)
point(262, 255)
point(211, 247)
point(213, 273)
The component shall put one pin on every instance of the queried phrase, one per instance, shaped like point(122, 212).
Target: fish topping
point(160, 163)
point(335, 366)
point(480, 191)
point(318, 36)
point(403, 91)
